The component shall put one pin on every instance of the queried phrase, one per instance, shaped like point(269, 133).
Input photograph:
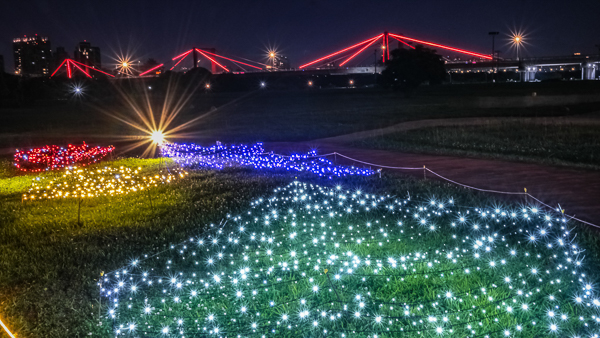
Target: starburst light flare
point(155, 121)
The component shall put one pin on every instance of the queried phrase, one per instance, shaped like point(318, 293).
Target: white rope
point(377, 165)
point(440, 176)
point(454, 182)
point(474, 188)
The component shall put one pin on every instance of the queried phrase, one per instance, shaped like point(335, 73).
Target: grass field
point(314, 261)
point(51, 264)
point(262, 115)
point(568, 145)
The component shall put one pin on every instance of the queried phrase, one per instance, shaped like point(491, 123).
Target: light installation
point(95, 182)
point(212, 57)
point(327, 261)
point(72, 65)
point(6, 329)
point(53, 157)
point(384, 40)
point(151, 69)
point(221, 156)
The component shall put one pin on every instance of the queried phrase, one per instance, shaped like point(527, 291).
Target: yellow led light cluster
point(95, 182)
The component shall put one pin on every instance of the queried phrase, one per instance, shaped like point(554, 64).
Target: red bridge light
point(483, 56)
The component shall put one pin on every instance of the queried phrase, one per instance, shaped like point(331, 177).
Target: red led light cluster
point(52, 157)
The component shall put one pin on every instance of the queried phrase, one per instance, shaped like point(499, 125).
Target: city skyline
point(302, 30)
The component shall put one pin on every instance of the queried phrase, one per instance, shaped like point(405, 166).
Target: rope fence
point(425, 169)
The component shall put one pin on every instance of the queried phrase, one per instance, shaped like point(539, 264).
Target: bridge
point(340, 58)
point(344, 61)
point(587, 66)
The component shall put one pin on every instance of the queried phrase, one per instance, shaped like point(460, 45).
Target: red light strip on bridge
point(341, 51)
point(213, 60)
point(151, 69)
point(383, 51)
point(180, 60)
point(182, 54)
point(387, 45)
point(359, 51)
point(404, 42)
point(83, 71)
point(232, 60)
point(442, 46)
point(92, 68)
point(65, 60)
point(69, 68)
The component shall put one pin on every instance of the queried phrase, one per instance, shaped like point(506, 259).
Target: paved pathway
point(577, 190)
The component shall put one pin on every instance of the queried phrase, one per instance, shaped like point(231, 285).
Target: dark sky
point(303, 29)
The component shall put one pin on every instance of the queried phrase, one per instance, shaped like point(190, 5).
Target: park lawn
point(567, 145)
point(261, 116)
point(51, 265)
point(313, 261)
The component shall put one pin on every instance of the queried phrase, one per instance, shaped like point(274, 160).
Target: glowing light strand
point(6, 329)
point(53, 157)
point(151, 69)
point(340, 51)
point(232, 60)
point(96, 182)
point(458, 50)
point(222, 156)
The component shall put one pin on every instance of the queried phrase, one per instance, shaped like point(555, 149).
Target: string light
point(53, 157)
point(6, 329)
point(95, 182)
point(221, 156)
point(316, 261)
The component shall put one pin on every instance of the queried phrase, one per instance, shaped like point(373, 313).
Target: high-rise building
point(59, 56)
point(32, 55)
point(86, 54)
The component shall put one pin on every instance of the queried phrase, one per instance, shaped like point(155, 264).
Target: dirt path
point(577, 190)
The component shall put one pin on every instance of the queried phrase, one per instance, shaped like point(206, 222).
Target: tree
point(409, 68)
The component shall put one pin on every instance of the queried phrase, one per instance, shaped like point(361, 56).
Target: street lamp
point(272, 56)
point(517, 40)
point(493, 34)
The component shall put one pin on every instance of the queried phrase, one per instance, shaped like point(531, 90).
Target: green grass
point(50, 264)
point(565, 144)
point(258, 116)
point(469, 278)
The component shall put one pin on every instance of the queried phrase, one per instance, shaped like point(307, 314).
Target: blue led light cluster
point(221, 156)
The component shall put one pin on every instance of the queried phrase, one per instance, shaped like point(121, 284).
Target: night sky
point(302, 30)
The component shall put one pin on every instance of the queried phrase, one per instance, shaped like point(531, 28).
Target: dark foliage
point(409, 68)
